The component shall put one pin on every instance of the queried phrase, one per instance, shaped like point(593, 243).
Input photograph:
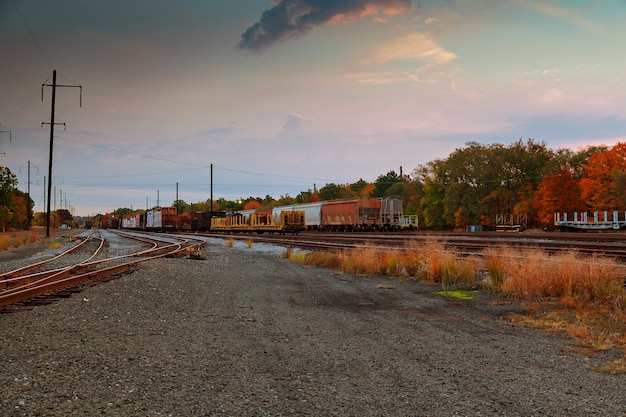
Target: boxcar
point(351, 215)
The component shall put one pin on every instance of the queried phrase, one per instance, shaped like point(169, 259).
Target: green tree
point(333, 192)
point(384, 182)
point(181, 205)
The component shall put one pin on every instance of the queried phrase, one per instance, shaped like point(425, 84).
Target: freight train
point(356, 214)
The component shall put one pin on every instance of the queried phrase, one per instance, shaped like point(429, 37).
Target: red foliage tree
point(558, 192)
point(601, 186)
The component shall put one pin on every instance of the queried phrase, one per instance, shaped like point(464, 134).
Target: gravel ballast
point(247, 333)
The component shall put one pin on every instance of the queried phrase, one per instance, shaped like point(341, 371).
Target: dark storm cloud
point(293, 17)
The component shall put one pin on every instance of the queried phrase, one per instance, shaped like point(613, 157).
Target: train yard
point(92, 259)
point(244, 332)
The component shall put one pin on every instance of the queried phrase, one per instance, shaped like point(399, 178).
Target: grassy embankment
point(582, 295)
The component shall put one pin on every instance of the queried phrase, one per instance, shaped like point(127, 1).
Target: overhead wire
point(198, 166)
point(31, 35)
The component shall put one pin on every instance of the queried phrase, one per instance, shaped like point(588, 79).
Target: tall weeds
point(591, 288)
point(528, 274)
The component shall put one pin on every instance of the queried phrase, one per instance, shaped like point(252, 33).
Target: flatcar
point(260, 221)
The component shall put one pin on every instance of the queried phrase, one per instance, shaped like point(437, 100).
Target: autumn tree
point(602, 186)
point(251, 205)
point(15, 205)
point(558, 192)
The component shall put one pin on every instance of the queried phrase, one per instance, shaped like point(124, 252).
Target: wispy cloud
point(416, 46)
point(568, 15)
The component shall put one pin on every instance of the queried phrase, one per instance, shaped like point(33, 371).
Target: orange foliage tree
point(251, 205)
point(602, 186)
point(558, 192)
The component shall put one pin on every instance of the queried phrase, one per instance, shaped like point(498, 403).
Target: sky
point(283, 96)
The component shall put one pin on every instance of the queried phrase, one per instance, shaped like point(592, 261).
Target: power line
point(31, 34)
point(24, 106)
point(256, 174)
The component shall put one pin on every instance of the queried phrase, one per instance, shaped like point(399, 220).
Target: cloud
point(566, 14)
point(294, 122)
point(418, 46)
point(290, 18)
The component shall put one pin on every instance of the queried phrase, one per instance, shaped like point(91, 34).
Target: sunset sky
point(283, 95)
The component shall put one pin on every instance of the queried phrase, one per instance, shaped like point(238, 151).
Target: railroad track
point(83, 263)
point(612, 245)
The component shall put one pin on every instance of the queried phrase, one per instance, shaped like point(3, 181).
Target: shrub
point(5, 242)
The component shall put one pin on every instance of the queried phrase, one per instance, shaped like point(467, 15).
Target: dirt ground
point(247, 333)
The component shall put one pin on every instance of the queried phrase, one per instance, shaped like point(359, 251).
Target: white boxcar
point(157, 219)
point(312, 213)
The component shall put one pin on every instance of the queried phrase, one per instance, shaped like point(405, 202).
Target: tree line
point(472, 186)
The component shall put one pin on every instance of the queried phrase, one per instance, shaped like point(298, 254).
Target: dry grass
point(13, 240)
point(586, 295)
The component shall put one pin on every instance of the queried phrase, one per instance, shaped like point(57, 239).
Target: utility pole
point(28, 209)
point(52, 123)
point(177, 206)
point(211, 207)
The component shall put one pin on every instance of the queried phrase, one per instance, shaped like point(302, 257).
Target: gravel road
point(247, 333)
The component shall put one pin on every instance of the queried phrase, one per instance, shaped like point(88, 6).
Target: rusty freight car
point(356, 214)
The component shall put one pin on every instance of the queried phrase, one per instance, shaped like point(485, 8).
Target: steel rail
point(461, 244)
point(48, 287)
point(66, 270)
point(13, 284)
point(17, 279)
point(15, 272)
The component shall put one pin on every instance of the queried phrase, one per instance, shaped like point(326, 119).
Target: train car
point(262, 220)
point(391, 213)
point(388, 210)
point(232, 222)
point(357, 214)
point(157, 220)
point(163, 219)
point(312, 213)
point(169, 219)
point(283, 221)
point(409, 222)
point(183, 222)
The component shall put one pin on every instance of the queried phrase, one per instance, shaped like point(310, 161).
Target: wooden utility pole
point(52, 123)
